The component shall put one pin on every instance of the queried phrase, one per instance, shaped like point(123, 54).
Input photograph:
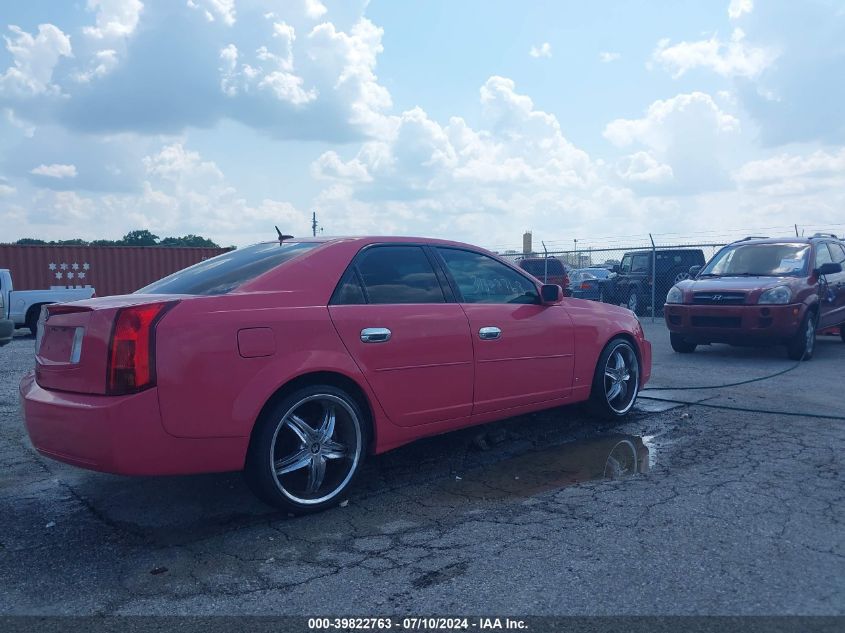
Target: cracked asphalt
point(684, 510)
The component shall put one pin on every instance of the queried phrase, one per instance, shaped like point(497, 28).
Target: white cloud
point(314, 9)
point(103, 63)
point(607, 57)
point(689, 133)
point(734, 58)
point(56, 170)
point(642, 167)
point(737, 7)
point(216, 9)
point(115, 18)
point(6, 190)
point(35, 58)
point(790, 174)
point(544, 50)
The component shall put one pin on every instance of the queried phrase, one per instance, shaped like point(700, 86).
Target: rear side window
point(482, 279)
point(398, 274)
point(838, 252)
point(822, 255)
point(224, 273)
point(640, 263)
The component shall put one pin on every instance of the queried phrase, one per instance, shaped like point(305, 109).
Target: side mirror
point(693, 271)
point(616, 269)
point(830, 268)
point(551, 294)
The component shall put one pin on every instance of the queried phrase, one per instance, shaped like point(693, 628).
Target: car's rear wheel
point(616, 381)
point(803, 344)
point(680, 344)
point(307, 449)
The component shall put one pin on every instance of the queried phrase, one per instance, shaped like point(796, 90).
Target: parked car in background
point(7, 329)
point(549, 270)
point(761, 290)
point(23, 307)
point(636, 277)
point(332, 349)
point(588, 283)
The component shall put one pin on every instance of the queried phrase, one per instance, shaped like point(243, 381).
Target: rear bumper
point(7, 329)
point(734, 324)
point(119, 434)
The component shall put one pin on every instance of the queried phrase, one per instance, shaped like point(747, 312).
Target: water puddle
point(607, 457)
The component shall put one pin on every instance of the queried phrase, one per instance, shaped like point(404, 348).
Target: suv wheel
point(634, 304)
point(680, 344)
point(307, 449)
point(803, 344)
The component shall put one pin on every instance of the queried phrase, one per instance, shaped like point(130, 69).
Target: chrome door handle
point(489, 333)
point(375, 335)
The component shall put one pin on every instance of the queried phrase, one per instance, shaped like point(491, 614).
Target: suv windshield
point(224, 273)
point(765, 260)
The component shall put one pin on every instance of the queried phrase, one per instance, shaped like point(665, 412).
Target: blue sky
point(470, 119)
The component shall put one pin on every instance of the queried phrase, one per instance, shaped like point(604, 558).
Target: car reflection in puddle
point(607, 457)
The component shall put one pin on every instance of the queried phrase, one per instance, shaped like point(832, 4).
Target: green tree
point(73, 242)
point(188, 240)
point(29, 241)
point(139, 238)
point(104, 243)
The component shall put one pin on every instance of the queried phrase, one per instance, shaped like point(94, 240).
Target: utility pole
point(314, 223)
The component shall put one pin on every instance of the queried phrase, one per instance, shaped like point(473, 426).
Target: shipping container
point(110, 270)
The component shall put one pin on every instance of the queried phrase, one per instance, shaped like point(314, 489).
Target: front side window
point(640, 264)
point(759, 260)
point(822, 255)
point(224, 273)
point(482, 279)
point(626, 264)
point(398, 274)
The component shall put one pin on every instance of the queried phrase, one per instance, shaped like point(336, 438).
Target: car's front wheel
point(680, 344)
point(616, 381)
point(307, 449)
point(803, 344)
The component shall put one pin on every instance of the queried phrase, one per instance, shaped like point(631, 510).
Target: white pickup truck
point(24, 306)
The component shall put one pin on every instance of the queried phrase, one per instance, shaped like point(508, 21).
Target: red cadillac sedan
point(293, 360)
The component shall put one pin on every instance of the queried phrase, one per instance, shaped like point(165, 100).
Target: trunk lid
point(72, 345)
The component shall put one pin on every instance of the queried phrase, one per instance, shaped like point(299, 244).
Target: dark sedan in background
point(588, 283)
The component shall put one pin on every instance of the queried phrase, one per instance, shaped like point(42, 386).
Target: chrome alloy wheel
point(621, 378)
point(315, 449)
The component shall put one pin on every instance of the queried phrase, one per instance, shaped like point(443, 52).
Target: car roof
point(364, 240)
point(786, 240)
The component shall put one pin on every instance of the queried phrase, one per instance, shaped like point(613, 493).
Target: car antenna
point(282, 238)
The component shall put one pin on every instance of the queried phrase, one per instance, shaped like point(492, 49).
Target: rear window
point(537, 267)
point(224, 273)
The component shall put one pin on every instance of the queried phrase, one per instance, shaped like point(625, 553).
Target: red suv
point(761, 290)
point(549, 270)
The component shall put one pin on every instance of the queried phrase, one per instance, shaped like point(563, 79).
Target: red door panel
point(424, 372)
point(532, 360)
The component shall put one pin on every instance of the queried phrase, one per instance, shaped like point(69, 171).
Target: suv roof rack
point(833, 235)
point(754, 237)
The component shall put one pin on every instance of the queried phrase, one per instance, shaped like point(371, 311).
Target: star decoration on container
point(52, 266)
point(70, 275)
point(75, 266)
point(63, 266)
point(58, 275)
point(85, 266)
point(81, 275)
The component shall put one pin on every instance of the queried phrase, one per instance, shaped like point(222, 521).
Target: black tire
point(634, 302)
point(680, 344)
point(32, 316)
point(286, 432)
point(803, 343)
point(602, 403)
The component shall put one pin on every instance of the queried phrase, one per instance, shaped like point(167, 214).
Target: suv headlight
point(675, 295)
point(778, 294)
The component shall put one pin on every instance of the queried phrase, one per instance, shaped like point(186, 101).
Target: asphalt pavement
point(685, 510)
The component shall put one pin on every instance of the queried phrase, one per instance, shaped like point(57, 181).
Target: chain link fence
point(640, 274)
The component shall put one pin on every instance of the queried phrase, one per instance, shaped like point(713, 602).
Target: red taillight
point(132, 348)
point(586, 285)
